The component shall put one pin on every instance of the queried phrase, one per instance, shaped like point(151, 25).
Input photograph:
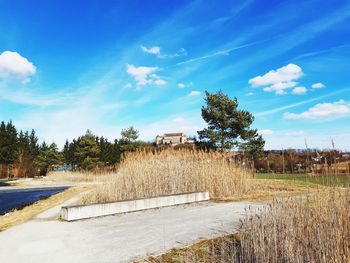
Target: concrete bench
point(71, 213)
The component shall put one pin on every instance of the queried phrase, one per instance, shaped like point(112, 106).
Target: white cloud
point(279, 87)
point(145, 75)
point(194, 93)
point(322, 111)
point(278, 80)
point(318, 85)
point(284, 74)
point(181, 85)
point(152, 50)
point(13, 65)
point(250, 94)
point(156, 51)
point(159, 82)
point(293, 105)
point(299, 90)
point(266, 132)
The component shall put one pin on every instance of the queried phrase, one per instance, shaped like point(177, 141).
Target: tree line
point(22, 156)
point(303, 161)
point(89, 151)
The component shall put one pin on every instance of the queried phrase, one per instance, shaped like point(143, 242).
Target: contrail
point(218, 53)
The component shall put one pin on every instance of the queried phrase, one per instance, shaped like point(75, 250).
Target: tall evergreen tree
point(33, 144)
point(130, 134)
point(227, 125)
point(22, 147)
point(48, 156)
point(67, 158)
point(106, 151)
point(8, 143)
point(87, 152)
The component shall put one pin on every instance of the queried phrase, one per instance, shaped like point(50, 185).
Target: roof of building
point(173, 134)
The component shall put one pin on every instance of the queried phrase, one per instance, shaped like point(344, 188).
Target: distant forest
point(22, 156)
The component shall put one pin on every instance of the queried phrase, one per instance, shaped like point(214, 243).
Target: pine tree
point(66, 153)
point(87, 152)
point(33, 144)
point(227, 125)
point(8, 143)
point(48, 156)
point(130, 134)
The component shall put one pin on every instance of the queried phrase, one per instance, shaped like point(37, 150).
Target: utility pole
point(307, 157)
point(283, 164)
point(334, 158)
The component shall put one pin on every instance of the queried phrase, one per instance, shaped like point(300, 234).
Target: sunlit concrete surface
point(119, 238)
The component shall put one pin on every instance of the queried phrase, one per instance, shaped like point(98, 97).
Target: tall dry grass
point(148, 174)
point(75, 177)
point(314, 230)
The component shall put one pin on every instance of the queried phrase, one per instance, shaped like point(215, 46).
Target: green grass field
point(329, 180)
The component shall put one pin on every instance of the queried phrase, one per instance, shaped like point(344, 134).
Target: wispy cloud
point(181, 85)
point(318, 85)
point(307, 55)
point(156, 50)
point(145, 75)
point(194, 93)
point(293, 105)
point(152, 50)
point(322, 111)
point(28, 98)
point(224, 52)
point(299, 90)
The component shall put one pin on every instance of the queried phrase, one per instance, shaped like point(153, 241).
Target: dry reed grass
point(75, 177)
point(314, 230)
point(148, 174)
point(63, 177)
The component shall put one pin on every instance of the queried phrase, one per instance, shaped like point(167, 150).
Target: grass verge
point(326, 180)
point(263, 190)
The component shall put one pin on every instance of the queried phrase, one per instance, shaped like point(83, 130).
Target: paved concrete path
point(120, 238)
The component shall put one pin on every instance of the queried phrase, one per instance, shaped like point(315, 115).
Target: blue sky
point(68, 66)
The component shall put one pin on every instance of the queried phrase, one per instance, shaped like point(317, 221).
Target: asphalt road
point(120, 238)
